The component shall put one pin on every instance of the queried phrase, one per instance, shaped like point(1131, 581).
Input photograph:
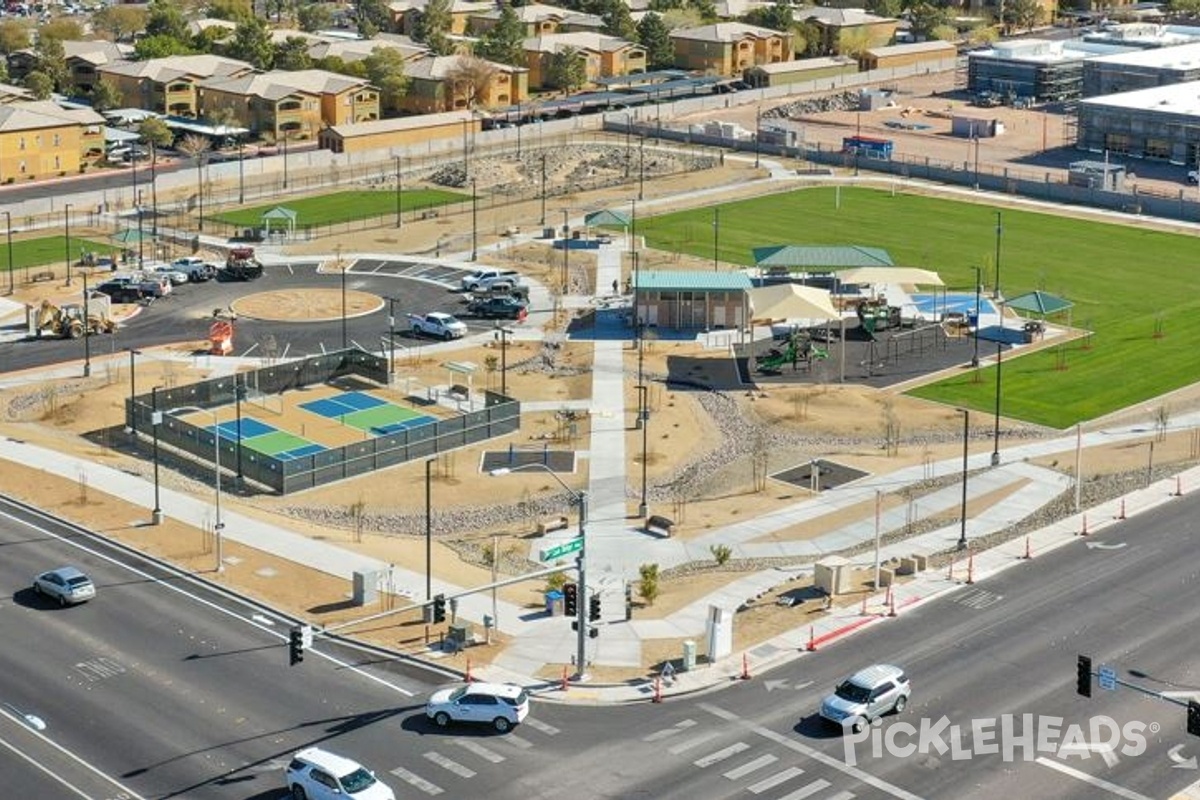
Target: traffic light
point(594, 608)
point(1083, 676)
point(1193, 721)
point(295, 646)
point(570, 599)
point(439, 608)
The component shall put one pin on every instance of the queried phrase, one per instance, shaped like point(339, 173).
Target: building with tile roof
point(433, 86)
point(294, 105)
point(41, 139)
point(603, 56)
point(169, 85)
point(729, 48)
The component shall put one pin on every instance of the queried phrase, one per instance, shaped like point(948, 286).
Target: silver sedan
point(67, 585)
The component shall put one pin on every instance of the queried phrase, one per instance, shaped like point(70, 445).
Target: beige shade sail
point(790, 301)
point(902, 275)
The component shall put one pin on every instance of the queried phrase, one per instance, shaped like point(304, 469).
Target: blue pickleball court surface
point(396, 427)
point(266, 439)
point(251, 427)
point(343, 404)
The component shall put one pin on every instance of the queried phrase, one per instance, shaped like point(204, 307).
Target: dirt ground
point(84, 417)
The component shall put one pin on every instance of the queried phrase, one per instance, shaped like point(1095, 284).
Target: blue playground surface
point(952, 302)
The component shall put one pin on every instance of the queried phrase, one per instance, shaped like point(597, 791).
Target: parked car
point(175, 276)
point(1193, 176)
point(196, 269)
point(501, 705)
point(152, 284)
point(121, 291)
point(867, 695)
point(438, 325)
point(477, 278)
point(67, 585)
point(316, 774)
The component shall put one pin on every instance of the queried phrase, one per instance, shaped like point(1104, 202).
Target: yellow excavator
point(66, 320)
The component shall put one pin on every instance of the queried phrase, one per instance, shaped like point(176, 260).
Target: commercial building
point(1034, 69)
point(1160, 123)
point(1141, 69)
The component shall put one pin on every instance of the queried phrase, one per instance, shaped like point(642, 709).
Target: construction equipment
point(241, 265)
point(66, 320)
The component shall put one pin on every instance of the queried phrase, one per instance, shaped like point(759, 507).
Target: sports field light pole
point(239, 391)
point(399, 191)
point(962, 535)
point(716, 234)
point(643, 422)
point(67, 236)
point(474, 221)
point(8, 233)
point(999, 232)
point(978, 288)
point(155, 420)
point(87, 330)
point(999, 360)
point(342, 270)
point(581, 604)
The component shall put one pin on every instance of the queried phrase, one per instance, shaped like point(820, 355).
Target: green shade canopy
point(129, 236)
point(606, 217)
point(1039, 303)
point(820, 258)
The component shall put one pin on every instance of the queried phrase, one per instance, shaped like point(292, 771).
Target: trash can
point(554, 603)
point(972, 320)
point(689, 655)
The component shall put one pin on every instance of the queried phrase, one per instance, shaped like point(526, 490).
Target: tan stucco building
point(40, 139)
point(432, 89)
point(169, 85)
point(729, 48)
point(293, 105)
point(539, 20)
point(603, 56)
point(400, 132)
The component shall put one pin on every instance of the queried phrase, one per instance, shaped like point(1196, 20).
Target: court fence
point(500, 416)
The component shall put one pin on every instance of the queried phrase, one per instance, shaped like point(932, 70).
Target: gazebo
point(279, 214)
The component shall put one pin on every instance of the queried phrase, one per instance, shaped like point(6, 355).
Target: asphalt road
point(186, 314)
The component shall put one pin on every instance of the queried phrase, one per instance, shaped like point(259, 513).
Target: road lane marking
point(666, 732)
point(841, 796)
point(750, 766)
point(785, 741)
point(479, 750)
point(450, 764)
point(415, 780)
point(773, 781)
point(808, 791)
point(1099, 783)
point(544, 727)
point(695, 741)
point(721, 755)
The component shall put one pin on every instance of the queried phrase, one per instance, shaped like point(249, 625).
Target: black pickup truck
point(502, 307)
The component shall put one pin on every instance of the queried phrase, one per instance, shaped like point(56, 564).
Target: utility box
point(460, 633)
point(366, 586)
point(830, 575)
point(689, 655)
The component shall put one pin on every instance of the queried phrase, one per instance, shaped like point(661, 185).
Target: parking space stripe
point(538, 725)
point(808, 791)
point(695, 741)
point(517, 741)
point(479, 750)
point(667, 732)
point(450, 764)
point(752, 766)
point(775, 780)
point(842, 796)
point(721, 755)
point(415, 780)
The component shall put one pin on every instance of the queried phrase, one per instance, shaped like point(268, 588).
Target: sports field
point(328, 209)
point(1131, 286)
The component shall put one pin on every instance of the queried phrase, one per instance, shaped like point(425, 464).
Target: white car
point(867, 695)
point(501, 705)
point(176, 277)
point(1193, 176)
point(316, 774)
point(67, 585)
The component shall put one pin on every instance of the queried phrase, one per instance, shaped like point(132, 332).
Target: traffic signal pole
point(581, 611)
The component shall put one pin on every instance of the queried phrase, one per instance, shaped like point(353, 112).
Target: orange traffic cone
point(745, 667)
point(657, 690)
point(812, 640)
point(564, 678)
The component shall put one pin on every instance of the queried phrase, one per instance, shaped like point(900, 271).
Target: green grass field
point(339, 207)
point(1125, 282)
point(51, 251)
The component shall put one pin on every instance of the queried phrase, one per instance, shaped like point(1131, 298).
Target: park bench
point(552, 524)
point(47, 275)
point(657, 523)
point(459, 392)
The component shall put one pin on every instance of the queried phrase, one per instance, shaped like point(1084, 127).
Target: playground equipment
point(67, 320)
point(220, 338)
point(877, 315)
point(799, 349)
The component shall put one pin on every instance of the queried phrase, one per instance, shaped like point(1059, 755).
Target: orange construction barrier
point(745, 667)
point(657, 690)
point(563, 686)
point(220, 338)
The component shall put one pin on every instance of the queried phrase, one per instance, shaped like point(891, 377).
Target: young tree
point(154, 132)
point(433, 27)
point(707, 9)
point(166, 19)
point(777, 17)
point(926, 16)
point(314, 17)
point(653, 35)
point(617, 20)
point(105, 96)
point(292, 54)
point(665, 5)
point(374, 16)
point(120, 23)
point(566, 70)
point(231, 10)
point(473, 78)
point(504, 43)
point(161, 47)
point(384, 68)
point(13, 36)
point(252, 43)
point(1025, 14)
point(40, 85)
point(51, 61)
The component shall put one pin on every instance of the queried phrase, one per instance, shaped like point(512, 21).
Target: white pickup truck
point(438, 325)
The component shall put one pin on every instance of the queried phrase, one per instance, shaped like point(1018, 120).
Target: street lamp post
point(285, 159)
point(133, 390)
point(643, 422)
point(502, 333)
point(8, 230)
point(399, 190)
point(757, 134)
point(999, 231)
point(428, 533)
point(566, 269)
point(580, 565)
point(218, 525)
point(474, 221)
point(200, 188)
point(996, 435)
point(716, 223)
point(141, 245)
point(155, 420)
point(641, 167)
point(628, 144)
point(87, 331)
point(392, 340)
point(543, 222)
point(241, 171)
point(962, 535)
point(978, 288)
point(67, 236)
point(342, 270)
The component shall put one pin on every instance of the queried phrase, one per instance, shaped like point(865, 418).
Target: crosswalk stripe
point(416, 780)
point(665, 732)
point(538, 725)
point(807, 791)
point(751, 766)
point(775, 780)
point(450, 764)
point(517, 741)
point(695, 741)
point(842, 796)
point(479, 750)
point(721, 755)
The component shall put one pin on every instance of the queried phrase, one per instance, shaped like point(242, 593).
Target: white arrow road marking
point(1180, 761)
point(1192, 694)
point(1106, 751)
point(772, 685)
point(1103, 546)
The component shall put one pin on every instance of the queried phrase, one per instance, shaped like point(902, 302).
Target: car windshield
point(357, 781)
point(457, 693)
point(852, 692)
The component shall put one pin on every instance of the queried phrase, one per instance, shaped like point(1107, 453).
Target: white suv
point(500, 705)
point(867, 695)
point(481, 278)
point(316, 774)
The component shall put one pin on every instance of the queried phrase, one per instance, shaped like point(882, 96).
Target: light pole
point(398, 191)
point(87, 330)
point(155, 420)
point(8, 230)
point(628, 144)
point(141, 246)
point(285, 159)
point(641, 167)
point(978, 288)
point(716, 235)
point(502, 333)
point(566, 270)
point(428, 534)
point(474, 222)
point(643, 422)
point(200, 188)
point(580, 565)
point(67, 236)
point(999, 359)
point(962, 535)
point(975, 136)
point(133, 390)
point(218, 525)
point(342, 270)
point(241, 172)
point(466, 152)
point(543, 222)
point(392, 339)
point(999, 231)
point(757, 134)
